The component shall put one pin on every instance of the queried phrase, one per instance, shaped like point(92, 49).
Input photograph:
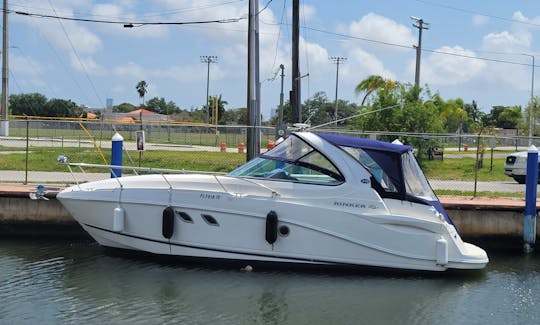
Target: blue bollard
point(531, 183)
point(116, 154)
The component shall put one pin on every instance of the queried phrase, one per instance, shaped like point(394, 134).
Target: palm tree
point(369, 85)
point(141, 89)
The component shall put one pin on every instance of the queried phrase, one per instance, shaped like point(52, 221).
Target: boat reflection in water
point(315, 199)
point(69, 282)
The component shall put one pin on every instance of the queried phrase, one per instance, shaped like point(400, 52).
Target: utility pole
point(296, 103)
point(254, 86)
point(4, 122)
point(337, 60)
point(208, 59)
point(280, 130)
point(420, 24)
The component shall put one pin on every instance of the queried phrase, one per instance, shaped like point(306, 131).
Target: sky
point(478, 50)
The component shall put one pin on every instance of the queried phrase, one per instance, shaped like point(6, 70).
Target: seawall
point(478, 218)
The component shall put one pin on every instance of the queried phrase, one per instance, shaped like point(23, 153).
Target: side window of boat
point(373, 168)
point(314, 168)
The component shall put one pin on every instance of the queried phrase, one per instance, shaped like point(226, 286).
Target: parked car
point(515, 166)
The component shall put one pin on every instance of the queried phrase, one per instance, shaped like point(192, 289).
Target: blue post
point(531, 183)
point(116, 154)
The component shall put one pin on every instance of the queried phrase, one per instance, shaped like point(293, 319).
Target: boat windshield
point(292, 160)
point(416, 183)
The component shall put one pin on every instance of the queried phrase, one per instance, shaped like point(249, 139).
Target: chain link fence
point(453, 163)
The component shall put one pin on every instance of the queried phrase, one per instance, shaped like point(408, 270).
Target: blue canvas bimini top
point(363, 143)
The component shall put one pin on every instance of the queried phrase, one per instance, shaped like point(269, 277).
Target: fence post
point(116, 154)
point(27, 151)
point(531, 182)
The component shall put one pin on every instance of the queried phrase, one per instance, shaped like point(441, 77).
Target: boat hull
point(317, 229)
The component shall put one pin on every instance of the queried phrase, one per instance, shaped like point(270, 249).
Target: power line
point(477, 13)
point(79, 59)
point(126, 23)
point(146, 13)
point(410, 47)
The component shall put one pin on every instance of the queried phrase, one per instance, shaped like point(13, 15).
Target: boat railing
point(62, 160)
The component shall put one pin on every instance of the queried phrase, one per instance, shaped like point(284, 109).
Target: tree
point(506, 117)
point(141, 89)
point(62, 108)
point(369, 85)
point(27, 104)
point(453, 113)
point(237, 116)
point(398, 109)
point(532, 108)
point(124, 108)
point(159, 105)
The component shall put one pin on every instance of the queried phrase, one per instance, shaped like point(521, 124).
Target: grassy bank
point(463, 169)
point(44, 159)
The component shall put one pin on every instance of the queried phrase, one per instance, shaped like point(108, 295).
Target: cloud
point(506, 41)
point(307, 12)
point(25, 66)
point(185, 74)
point(479, 20)
point(362, 64)
point(443, 69)
point(111, 12)
point(86, 65)
point(376, 27)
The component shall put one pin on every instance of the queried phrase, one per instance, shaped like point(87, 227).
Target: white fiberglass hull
point(214, 217)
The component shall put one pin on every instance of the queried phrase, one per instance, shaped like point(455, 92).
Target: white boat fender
point(442, 251)
point(118, 219)
point(271, 227)
point(167, 226)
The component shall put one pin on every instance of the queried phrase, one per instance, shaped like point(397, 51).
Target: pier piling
point(531, 181)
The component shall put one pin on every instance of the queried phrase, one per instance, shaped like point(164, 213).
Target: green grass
point(203, 136)
point(44, 159)
point(463, 169)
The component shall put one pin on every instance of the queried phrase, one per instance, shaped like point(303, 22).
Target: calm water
point(78, 282)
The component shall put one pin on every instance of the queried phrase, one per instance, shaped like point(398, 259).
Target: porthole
point(185, 217)
point(284, 231)
point(210, 220)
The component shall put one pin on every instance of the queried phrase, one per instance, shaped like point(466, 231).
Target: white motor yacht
point(317, 199)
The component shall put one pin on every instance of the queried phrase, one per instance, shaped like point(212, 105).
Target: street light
point(208, 59)
point(531, 107)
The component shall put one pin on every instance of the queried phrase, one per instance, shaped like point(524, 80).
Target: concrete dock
point(481, 217)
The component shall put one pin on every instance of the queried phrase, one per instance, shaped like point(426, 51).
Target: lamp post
point(208, 59)
point(4, 122)
point(531, 105)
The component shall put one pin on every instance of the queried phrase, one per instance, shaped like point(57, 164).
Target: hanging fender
point(271, 227)
point(167, 226)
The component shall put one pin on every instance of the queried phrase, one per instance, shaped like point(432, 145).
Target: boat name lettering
point(350, 205)
point(206, 196)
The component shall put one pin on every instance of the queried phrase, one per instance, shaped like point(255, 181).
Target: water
point(78, 282)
